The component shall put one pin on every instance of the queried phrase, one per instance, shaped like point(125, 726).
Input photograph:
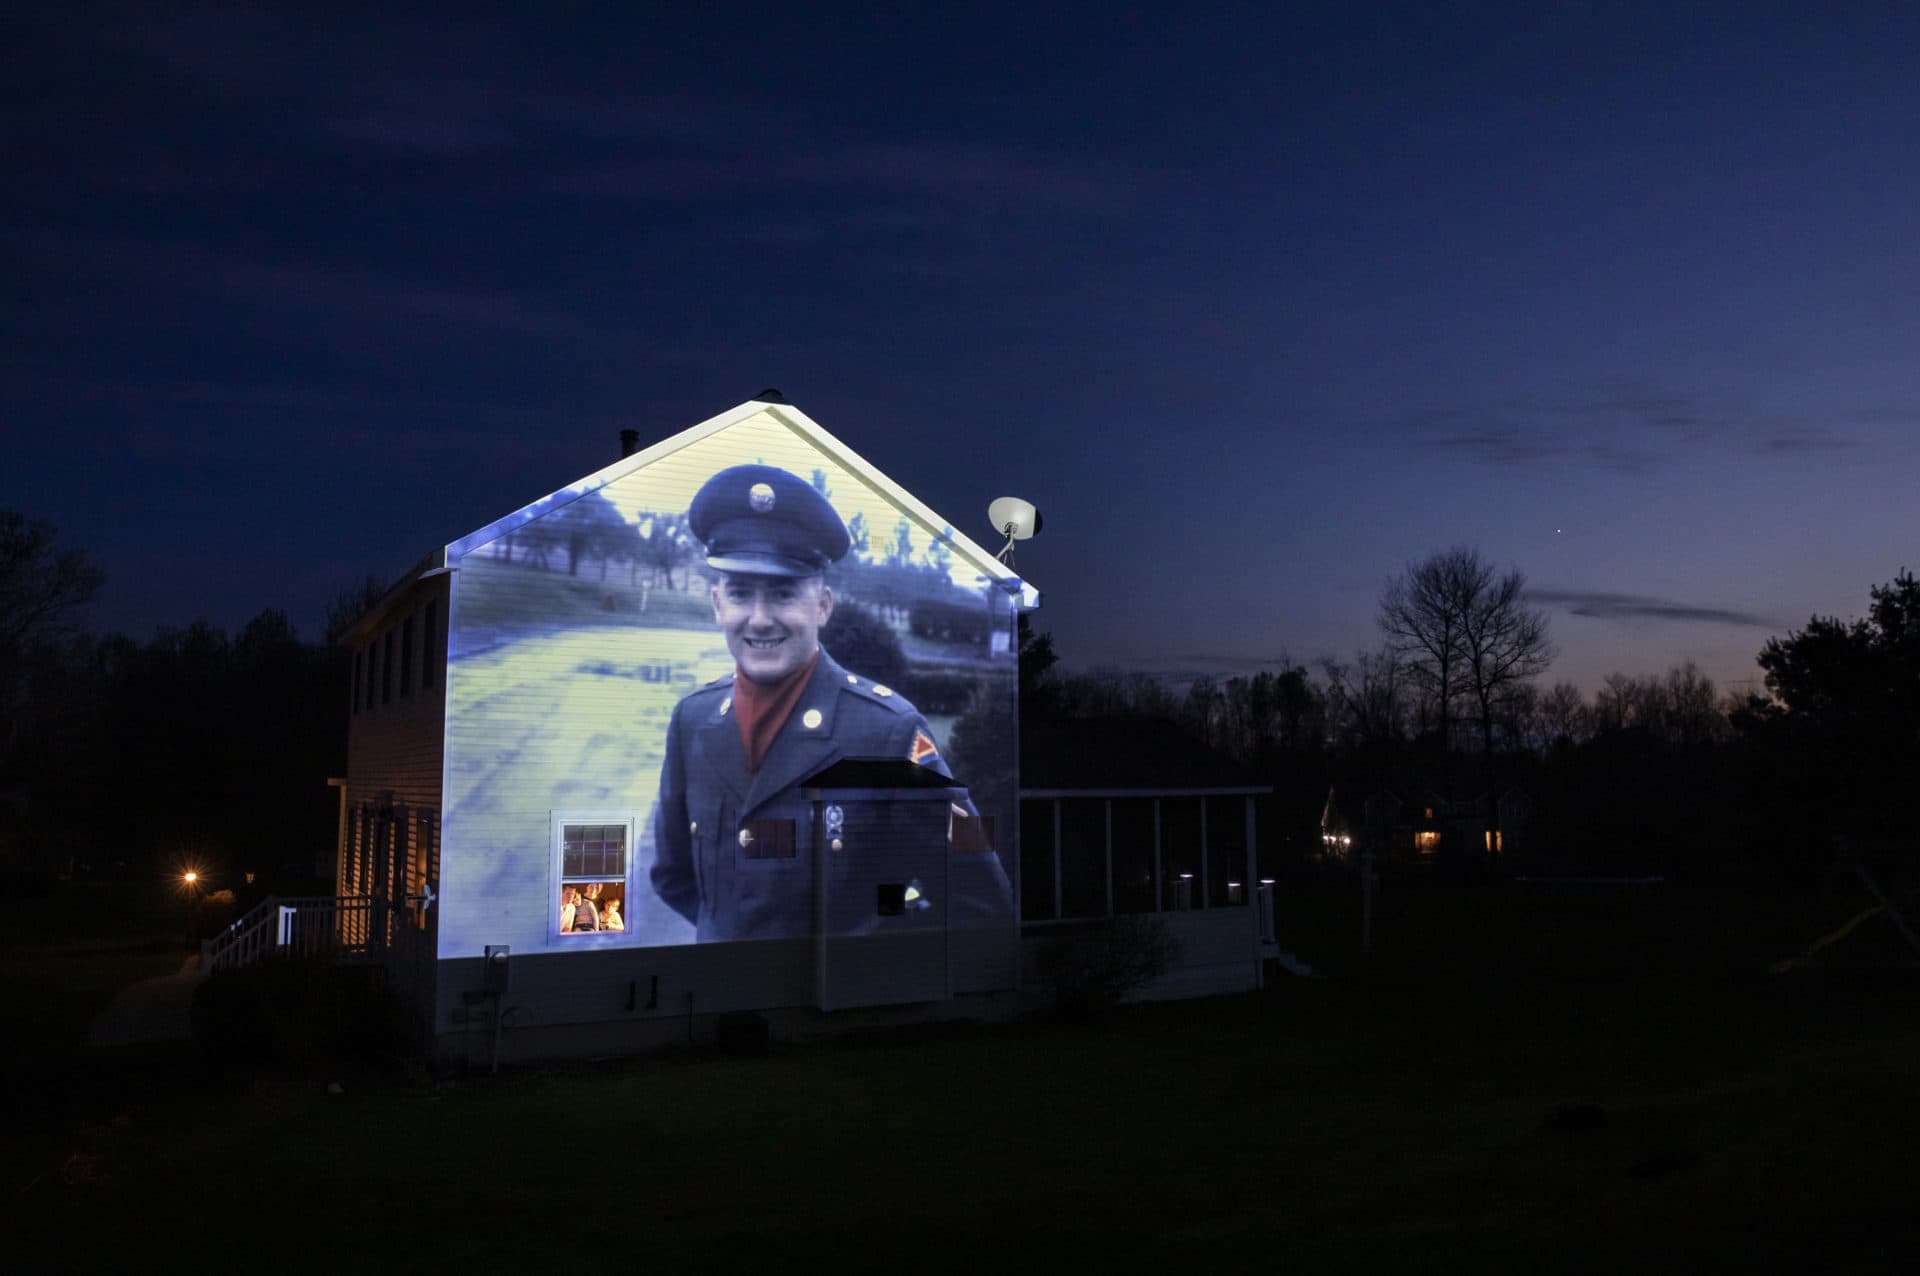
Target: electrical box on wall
point(497, 971)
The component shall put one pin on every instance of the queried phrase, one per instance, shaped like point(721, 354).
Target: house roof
point(937, 529)
point(1124, 755)
point(800, 423)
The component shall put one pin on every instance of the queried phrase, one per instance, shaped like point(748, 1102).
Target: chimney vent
point(629, 442)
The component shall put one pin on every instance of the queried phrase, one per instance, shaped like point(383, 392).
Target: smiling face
point(772, 623)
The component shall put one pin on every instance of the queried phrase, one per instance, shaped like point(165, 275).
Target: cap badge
point(760, 496)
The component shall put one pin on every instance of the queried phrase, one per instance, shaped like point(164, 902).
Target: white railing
point(318, 925)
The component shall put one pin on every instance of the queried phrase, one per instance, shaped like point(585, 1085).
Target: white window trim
point(556, 852)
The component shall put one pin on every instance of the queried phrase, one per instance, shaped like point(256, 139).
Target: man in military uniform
point(732, 834)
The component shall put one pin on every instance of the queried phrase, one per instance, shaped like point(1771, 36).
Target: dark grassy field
point(1427, 1109)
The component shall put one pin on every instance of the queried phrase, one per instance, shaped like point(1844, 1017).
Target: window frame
point(556, 876)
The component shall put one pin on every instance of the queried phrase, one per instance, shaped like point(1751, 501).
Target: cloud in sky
point(1796, 441)
point(1512, 445)
point(1599, 605)
point(1625, 429)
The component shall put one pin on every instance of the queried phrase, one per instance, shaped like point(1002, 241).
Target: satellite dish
point(1015, 519)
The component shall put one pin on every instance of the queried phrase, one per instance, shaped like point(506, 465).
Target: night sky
point(1256, 307)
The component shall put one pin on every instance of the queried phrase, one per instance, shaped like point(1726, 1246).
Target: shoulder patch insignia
point(923, 748)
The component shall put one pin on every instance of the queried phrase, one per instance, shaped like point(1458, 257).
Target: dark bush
point(294, 1013)
point(1089, 968)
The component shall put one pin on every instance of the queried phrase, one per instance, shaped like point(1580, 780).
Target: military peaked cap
point(763, 521)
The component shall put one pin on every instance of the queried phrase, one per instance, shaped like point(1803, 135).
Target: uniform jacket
point(716, 827)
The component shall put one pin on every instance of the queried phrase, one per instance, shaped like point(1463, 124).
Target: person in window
point(738, 748)
point(610, 918)
point(585, 915)
point(567, 910)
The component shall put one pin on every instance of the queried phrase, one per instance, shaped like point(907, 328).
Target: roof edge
point(1027, 597)
point(431, 564)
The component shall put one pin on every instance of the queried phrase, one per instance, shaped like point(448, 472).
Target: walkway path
point(151, 1010)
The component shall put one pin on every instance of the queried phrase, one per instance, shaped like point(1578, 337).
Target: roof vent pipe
point(629, 442)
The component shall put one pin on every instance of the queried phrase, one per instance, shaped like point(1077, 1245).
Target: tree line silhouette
point(1651, 772)
point(193, 748)
point(119, 755)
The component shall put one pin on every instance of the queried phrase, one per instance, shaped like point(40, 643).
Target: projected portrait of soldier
point(731, 827)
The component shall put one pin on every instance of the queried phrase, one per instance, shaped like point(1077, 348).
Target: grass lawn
point(1403, 1116)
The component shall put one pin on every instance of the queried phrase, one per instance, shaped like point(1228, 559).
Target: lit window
point(1426, 841)
point(593, 856)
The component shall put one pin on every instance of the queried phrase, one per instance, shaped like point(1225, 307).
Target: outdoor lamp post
point(190, 884)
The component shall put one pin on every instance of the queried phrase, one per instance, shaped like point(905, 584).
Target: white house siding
point(589, 1003)
point(564, 669)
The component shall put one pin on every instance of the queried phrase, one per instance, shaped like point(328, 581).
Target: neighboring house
point(1426, 828)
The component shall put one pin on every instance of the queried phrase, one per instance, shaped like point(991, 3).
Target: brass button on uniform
point(746, 838)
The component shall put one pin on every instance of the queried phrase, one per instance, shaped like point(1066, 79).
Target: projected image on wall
point(647, 675)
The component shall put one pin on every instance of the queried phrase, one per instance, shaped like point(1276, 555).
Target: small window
point(594, 856)
point(373, 672)
point(386, 671)
point(429, 645)
point(406, 657)
point(359, 662)
point(768, 840)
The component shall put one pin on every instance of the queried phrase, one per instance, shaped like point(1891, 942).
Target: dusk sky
point(1256, 302)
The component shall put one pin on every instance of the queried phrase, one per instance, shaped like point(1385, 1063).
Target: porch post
point(1056, 859)
point(1159, 881)
point(1108, 804)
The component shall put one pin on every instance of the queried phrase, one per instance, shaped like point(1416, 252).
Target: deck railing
point(337, 926)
